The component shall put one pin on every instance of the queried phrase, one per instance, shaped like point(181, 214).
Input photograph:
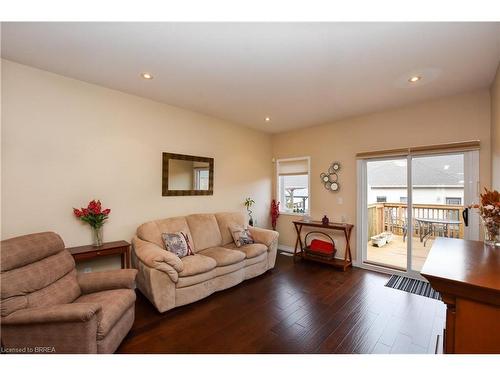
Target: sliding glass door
point(386, 198)
point(405, 203)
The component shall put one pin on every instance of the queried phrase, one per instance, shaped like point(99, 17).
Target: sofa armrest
point(155, 257)
point(71, 312)
point(106, 280)
point(265, 236)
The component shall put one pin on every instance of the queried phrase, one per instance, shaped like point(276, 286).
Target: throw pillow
point(241, 236)
point(177, 243)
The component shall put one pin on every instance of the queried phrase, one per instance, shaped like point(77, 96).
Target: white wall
point(65, 142)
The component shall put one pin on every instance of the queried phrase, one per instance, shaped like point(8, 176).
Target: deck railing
point(393, 216)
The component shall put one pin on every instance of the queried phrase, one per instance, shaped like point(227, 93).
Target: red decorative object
point(275, 213)
point(95, 216)
point(322, 247)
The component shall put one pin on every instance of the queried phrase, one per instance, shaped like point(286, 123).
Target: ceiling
point(298, 74)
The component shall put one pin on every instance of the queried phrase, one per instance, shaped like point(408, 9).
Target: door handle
point(465, 216)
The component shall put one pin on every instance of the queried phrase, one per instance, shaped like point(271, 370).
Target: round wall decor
point(331, 178)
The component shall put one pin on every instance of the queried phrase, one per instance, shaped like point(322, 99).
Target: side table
point(108, 248)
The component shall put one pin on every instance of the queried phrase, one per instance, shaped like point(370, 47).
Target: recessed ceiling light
point(446, 167)
point(267, 119)
point(146, 75)
point(414, 79)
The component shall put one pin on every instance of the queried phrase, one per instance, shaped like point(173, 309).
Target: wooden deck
point(394, 253)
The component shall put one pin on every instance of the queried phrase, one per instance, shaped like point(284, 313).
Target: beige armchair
point(47, 308)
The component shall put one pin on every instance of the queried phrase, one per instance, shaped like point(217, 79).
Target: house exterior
point(436, 180)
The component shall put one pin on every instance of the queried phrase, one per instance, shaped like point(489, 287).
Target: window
point(381, 199)
point(454, 201)
point(293, 185)
point(201, 178)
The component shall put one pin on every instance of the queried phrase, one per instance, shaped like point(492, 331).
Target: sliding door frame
point(471, 166)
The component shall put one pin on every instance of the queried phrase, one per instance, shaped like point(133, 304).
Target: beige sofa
point(169, 281)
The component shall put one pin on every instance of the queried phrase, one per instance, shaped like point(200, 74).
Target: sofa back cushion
point(152, 231)
point(204, 230)
point(46, 281)
point(227, 219)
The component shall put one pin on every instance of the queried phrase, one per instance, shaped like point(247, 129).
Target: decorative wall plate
point(330, 179)
point(333, 177)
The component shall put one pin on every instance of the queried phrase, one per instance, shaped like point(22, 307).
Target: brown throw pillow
point(241, 236)
point(177, 243)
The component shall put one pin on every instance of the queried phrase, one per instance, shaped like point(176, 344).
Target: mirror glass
point(187, 175)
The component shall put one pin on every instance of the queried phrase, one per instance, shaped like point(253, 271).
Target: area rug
point(422, 288)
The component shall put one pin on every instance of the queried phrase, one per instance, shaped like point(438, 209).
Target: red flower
point(77, 212)
point(85, 211)
point(106, 211)
point(95, 207)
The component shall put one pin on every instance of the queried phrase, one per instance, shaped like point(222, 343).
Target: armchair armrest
point(155, 257)
point(265, 236)
point(106, 280)
point(71, 312)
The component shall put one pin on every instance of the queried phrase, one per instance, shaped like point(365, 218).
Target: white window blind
point(293, 167)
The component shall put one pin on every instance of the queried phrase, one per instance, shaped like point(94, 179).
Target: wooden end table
point(337, 263)
point(87, 252)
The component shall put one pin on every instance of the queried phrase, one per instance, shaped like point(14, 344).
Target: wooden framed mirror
point(187, 175)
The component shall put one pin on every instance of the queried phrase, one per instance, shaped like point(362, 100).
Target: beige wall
point(495, 132)
point(65, 142)
point(459, 118)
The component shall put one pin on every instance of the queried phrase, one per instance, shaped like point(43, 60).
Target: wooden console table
point(338, 263)
point(86, 252)
point(467, 275)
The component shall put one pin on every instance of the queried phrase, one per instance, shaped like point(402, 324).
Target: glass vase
point(491, 232)
point(97, 236)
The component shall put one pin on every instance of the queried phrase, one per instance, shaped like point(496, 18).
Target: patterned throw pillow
point(177, 243)
point(241, 236)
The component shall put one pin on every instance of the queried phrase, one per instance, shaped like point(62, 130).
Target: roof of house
point(446, 170)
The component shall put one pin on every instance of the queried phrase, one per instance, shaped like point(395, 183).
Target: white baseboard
point(286, 249)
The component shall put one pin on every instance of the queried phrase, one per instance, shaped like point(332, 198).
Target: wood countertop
point(464, 268)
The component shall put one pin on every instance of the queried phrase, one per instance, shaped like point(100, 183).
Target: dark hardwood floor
point(301, 307)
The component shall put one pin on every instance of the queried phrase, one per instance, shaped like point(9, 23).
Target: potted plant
point(95, 216)
point(489, 209)
point(275, 213)
point(249, 202)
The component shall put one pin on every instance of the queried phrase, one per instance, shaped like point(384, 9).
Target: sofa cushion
point(224, 256)
point(241, 235)
point(204, 230)
point(224, 220)
point(152, 230)
point(251, 250)
point(195, 264)
point(20, 251)
point(114, 304)
point(177, 243)
point(196, 279)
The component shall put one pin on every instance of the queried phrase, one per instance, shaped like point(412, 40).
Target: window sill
point(295, 213)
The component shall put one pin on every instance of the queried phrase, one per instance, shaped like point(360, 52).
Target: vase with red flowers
point(95, 216)
point(489, 209)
